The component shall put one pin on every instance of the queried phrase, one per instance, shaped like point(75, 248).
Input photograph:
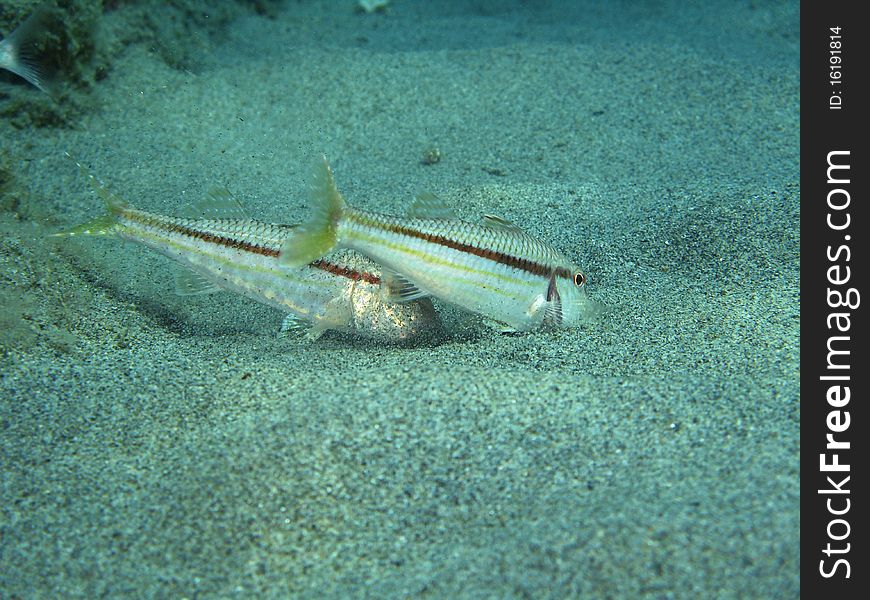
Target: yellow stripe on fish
point(341, 291)
point(492, 268)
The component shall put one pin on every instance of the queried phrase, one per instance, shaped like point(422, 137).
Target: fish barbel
point(341, 291)
point(492, 268)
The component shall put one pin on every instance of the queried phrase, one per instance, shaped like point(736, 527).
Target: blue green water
point(155, 446)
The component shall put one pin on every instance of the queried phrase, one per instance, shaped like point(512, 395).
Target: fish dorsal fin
point(191, 283)
point(429, 206)
point(495, 222)
point(220, 204)
point(396, 288)
point(113, 202)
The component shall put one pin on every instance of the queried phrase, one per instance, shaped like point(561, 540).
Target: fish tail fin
point(105, 224)
point(27, 53)
point(319, 234)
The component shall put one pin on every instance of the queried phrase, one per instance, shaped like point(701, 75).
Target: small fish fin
point(294, 324)
point(114, 203)
point(429, 206)
point(220, 204)
point(337, 315)
point(396, 288)
point(316, 331)
point(500, 327)
point(102, 225)
point(317, 236)
point(297, 326)
point(495, 222)
point(372, 6)
point(106, 223)
point(552, 315)
point(191, 283)
point(25, 50)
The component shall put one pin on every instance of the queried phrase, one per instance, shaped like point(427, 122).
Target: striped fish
point(341, 291)
point(492, 268)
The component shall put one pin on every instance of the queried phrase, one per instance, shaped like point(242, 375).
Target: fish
point(493, 268)
point(341, 291)
point(21, 51)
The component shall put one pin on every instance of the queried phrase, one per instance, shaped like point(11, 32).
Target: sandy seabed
point(158, 446)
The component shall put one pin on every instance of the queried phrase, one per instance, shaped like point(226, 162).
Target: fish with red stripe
point(341, 291)
point(492, 267)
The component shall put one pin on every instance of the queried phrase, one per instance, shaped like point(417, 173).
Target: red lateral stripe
point(236, 244)
point(343, 271)
point(523, 264)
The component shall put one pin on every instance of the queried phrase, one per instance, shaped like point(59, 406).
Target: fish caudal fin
point(102, 225)
point(105, 224)
point(317, 236)
point(24, 50)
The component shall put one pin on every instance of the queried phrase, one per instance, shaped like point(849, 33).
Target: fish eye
point(579, 278)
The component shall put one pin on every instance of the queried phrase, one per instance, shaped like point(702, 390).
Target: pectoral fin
point(396, 288)
point(337, 315)
point(294, 324)
point(191, 283)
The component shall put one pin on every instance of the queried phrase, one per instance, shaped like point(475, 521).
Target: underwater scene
point(399, 299)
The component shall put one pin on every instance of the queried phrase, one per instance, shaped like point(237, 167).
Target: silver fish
point(492, 268)
point(342, 291)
